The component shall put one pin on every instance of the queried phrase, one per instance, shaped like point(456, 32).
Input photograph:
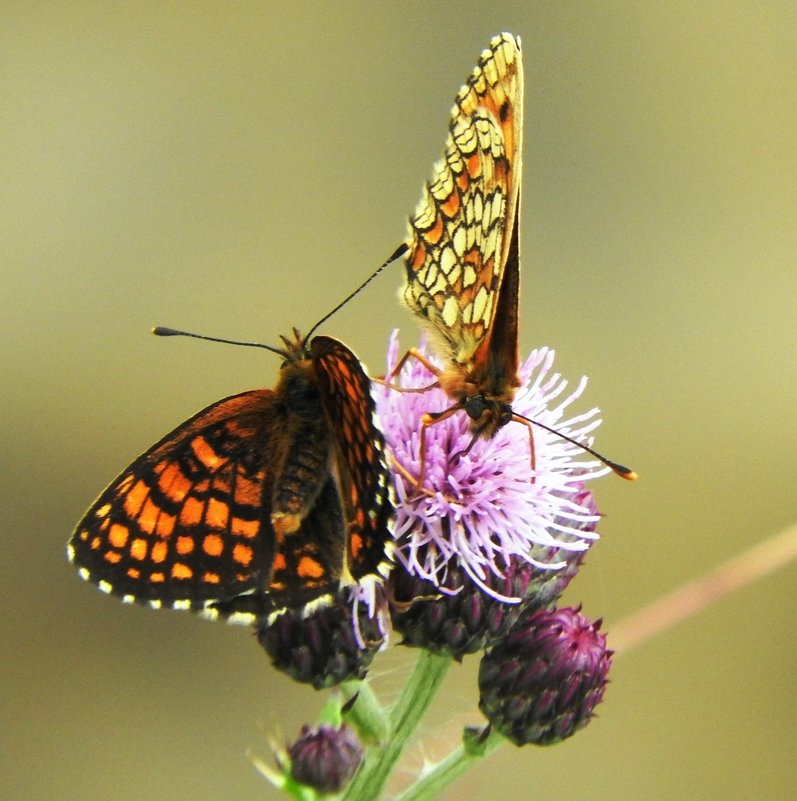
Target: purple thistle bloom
point(485, 508)
point(458, 617)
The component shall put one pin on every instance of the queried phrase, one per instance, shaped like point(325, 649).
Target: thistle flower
point(481, 510)
point(459, 618)
point(541, 683)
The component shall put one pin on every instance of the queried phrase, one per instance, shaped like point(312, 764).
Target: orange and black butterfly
point(265, 500)
point(463, 263)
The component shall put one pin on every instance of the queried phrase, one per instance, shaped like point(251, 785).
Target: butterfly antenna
point(399, 251)
point(618, 469)
point(162, 331)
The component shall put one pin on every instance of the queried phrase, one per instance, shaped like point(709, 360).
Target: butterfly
point(462, 266)
point(462, 260)
point(265, 500)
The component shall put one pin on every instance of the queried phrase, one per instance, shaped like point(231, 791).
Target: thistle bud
point(542, 682)
point(325, 758)
point(322, 648)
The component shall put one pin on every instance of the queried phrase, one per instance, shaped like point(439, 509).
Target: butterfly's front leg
point(413, 353)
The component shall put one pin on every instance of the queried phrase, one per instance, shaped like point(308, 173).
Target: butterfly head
point(295, 349)
point(486, 415)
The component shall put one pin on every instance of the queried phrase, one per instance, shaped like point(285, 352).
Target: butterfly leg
point(401, 605)
point(532, 449)
point(417, 482)
point(429, 419)
point(414, 353)
point(399, 467)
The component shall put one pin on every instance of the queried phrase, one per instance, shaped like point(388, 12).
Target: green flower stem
point(429, 786)
point(366, 713)
point(379, 762)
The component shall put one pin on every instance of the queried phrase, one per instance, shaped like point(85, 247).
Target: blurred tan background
point(238, 169)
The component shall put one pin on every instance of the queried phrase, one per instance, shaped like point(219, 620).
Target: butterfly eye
point(506, 414)
point(475, 406)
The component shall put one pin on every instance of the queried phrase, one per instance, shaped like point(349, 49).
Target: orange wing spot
point(134, 499)
point(157, 578)
point(211, 578)
point(247, 493)
point(213, 545)
point(138, 549)
point(452, 205)
point(204, 452)
point(434, 234)
point(95, 543)
point(118, 535)
point(148, 517)
point(172, 483)
point(103, 510)
point(242, 554)
point(244, 528)
point(237, 429)
point(179, 489)
point(112, 557)
point(474, 165)
point(180, 570)
point(165, 525)
point(310, 568)
point(218, 513)
point(133, 573)
point(221, 485)
point(185, 545)
point(191, 513)
point(126, 483)
point(355, 544)
point(159, 552)
point(279, 562)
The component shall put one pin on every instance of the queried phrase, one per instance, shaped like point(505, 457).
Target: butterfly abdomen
point(305, 448)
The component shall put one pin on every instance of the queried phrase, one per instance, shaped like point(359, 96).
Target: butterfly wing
point(464, 230)
point(362, 469)
point(307, 564)
point(187, 522)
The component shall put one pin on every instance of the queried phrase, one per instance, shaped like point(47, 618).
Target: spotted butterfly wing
point(256, 503)
point(463, 263)
point(365, 493)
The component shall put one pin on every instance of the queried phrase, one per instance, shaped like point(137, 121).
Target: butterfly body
point(264, 500)
point(463, 258)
